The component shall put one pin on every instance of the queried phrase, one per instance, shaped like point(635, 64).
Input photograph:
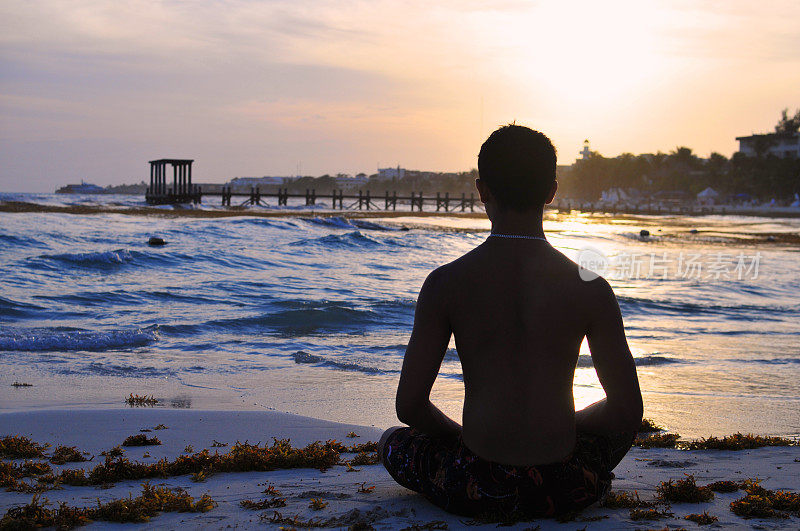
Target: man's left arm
point(426, 348)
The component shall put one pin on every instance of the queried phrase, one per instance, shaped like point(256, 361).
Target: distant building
point(247, 182)
point(348, 182)
point(784, 145)
point(385, 174)
point(708, 197)
point(83, 188)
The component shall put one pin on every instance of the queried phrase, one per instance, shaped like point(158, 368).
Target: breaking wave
point(61, 339)
point(302, 357)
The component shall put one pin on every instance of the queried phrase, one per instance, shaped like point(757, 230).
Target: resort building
point(784, 145)
point(385, 174)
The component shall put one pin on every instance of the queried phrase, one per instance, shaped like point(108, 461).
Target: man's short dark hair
point(518, 165)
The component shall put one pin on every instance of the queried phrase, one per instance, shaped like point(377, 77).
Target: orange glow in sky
point(94, 89)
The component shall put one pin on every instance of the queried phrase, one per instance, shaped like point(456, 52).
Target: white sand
point(95, 431)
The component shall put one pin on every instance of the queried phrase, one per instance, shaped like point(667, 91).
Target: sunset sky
point(94, 89)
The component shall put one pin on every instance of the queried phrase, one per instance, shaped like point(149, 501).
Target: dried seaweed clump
point(11, 475)
point(737, 441)
point(764, 503)
point(317, 504)
point(141, 440)
point(263, 504)
point(36, 514)
point(724, 485)
point(141, 400)
point(701, 519)
point(753, 486)
point(353, 519)
point(649, 514)
point(152, 501)
point(66, 454)
point(658, 440)
point(369, 446)
point(684, 490)
point(365, 458)
point(18, 447)
point(242, 457)
point(624, 500)
point(649, 426)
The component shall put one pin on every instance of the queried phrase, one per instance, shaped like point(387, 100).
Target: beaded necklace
point(517, 236)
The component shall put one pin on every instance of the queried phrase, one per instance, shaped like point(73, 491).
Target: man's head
point(518, 165)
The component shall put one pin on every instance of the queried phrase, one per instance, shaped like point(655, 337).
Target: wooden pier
point(183, 191)
point(358, 200)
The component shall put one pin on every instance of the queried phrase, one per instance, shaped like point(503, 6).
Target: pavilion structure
point(181, 191)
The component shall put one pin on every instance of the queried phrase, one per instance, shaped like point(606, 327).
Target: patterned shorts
point(457, 480)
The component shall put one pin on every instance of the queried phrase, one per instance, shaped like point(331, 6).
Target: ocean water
point(311, 314)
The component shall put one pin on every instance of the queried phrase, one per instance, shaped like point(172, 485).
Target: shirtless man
point(519, 311)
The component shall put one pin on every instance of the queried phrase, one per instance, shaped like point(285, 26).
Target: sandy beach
point(349, 495)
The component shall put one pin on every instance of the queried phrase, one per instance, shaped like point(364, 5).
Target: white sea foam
point(50, 339)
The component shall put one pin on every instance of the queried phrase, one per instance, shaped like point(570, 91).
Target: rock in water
point(155, 241)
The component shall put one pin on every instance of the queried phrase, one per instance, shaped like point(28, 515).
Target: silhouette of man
point(519, 310)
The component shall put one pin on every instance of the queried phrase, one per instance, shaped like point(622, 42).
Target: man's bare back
point(519, 311)
point(514, 308)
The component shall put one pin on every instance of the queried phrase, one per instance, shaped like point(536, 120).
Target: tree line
point(763, 176)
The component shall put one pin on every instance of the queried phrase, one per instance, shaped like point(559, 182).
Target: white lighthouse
point(585, 152)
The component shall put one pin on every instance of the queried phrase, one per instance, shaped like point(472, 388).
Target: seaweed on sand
point(152, 501)
point(624, 500)
point(369, 446)
point(724, 485)
point(36, 514)
point(701, 519)
point(263, 504)
point(764, 503)
point(67, 454)
point(365, 458)
point(435, 524)
point(658, 440)
point(141, 400)
point(114, 452)
point(753, 486)
point(242, 457)
point(649, 514)
point(317, 504)
point(141, 440)
point(755, 506)
point(684, 490)
point(19, 447)
point(649, 426)
point(353, 519)
point(738, 441)
point(363, 489)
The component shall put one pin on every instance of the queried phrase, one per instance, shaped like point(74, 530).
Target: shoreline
point(19, 207)
point(349, 495)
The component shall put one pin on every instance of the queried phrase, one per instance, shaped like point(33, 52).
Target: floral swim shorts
point(458, 481)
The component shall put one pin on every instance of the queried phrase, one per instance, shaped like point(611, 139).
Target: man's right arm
point(621, 410)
